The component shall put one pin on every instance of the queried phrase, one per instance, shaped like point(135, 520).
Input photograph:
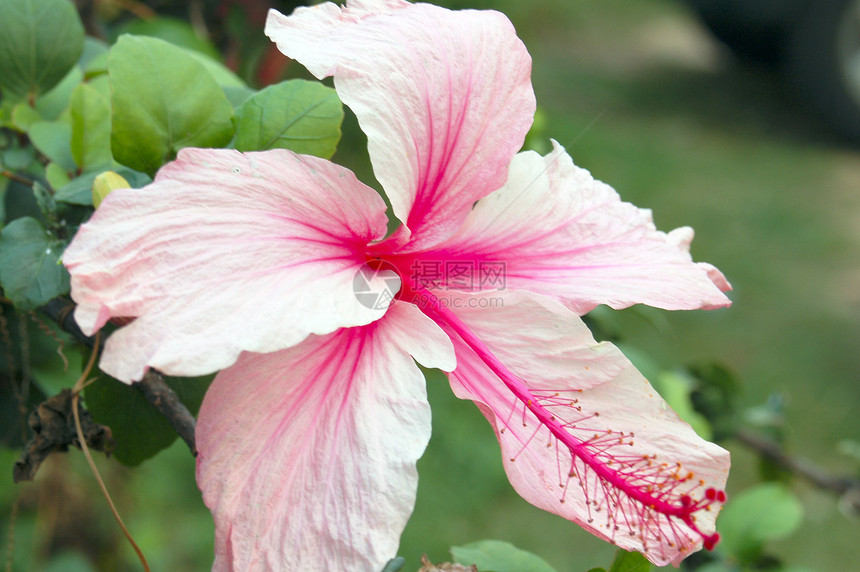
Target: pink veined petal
point(224, 252)
point(445, 98)
point(560, 233)
point(307, 455)
point(600, 447)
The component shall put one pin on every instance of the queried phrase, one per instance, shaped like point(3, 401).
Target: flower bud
point(106, 182)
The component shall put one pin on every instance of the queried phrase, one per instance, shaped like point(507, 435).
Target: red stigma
point(711, 541)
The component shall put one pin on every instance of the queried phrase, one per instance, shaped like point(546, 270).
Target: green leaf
point(29, 269)
point(93, 60)
point(176, 32)
point(299, 115)
point(629, 562)
point(238, 95)
point(56, 175)
point(23, 116)
point(163, 100)
point(139, 430)
point(222, 75)
point(90, 138)
point(69, 562)
point(17, 159)
point(80, 190)
point(394, 565)
point(12, 420)
point(53, 104)
point(5, 117)
point(101, 84)
point(53, 140)
point(765, 512)
point(4, 185)
point(40, 41)
point(45, 200)
point(718, 567)
point(499, 556)
point(676, 389)
point(20, 202)
point(97, 66)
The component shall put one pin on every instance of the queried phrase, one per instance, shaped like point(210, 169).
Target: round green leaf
point(765, 512)
point(69, 562)
point(629, 562)
point(30, 272)
point(17, 158)
point(56, 175)
point(162, 100)
point(40, 41)
point(52, 139)
point(299, 115)
point(90, 143)
point(499, 556)
point(53, 104)
point(139, 430)
point(94, 55)
point(19, 202)
point(23, 116)
point(222, 75)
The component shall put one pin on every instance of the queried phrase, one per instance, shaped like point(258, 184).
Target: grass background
point(645, 99)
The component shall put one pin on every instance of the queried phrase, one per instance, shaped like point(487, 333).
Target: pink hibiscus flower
point(275, 268)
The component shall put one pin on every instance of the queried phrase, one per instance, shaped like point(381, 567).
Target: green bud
point(106, 182)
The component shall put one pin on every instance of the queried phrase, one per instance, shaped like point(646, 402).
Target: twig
point(153, 386)
point(79, 386)
point(166, 402)
point(62, 310)
point(16, 178)
point(10, 539)
point(799, 466)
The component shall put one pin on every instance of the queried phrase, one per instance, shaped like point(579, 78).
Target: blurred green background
point(644, 98)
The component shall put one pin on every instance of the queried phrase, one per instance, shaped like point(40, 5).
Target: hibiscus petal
point(557, 231)
point(224, 252)
point(444, 97)
point(307, 455)
point(599, 447)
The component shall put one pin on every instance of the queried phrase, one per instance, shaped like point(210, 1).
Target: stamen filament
point(587, 451)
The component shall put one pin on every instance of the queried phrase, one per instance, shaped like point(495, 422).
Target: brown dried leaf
point(53, 426)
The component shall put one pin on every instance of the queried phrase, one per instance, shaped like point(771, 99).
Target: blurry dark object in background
point(815, 44)
point(233, 27)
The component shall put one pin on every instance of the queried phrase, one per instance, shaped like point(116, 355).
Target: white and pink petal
point(224, 252)
point(558, 232)
point(445, 98)
point(600, 447)
point(307, 455)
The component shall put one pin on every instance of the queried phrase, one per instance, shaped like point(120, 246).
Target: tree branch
point(62, 310)
point(166, 402)
point(153, 386)
point(848, 488)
